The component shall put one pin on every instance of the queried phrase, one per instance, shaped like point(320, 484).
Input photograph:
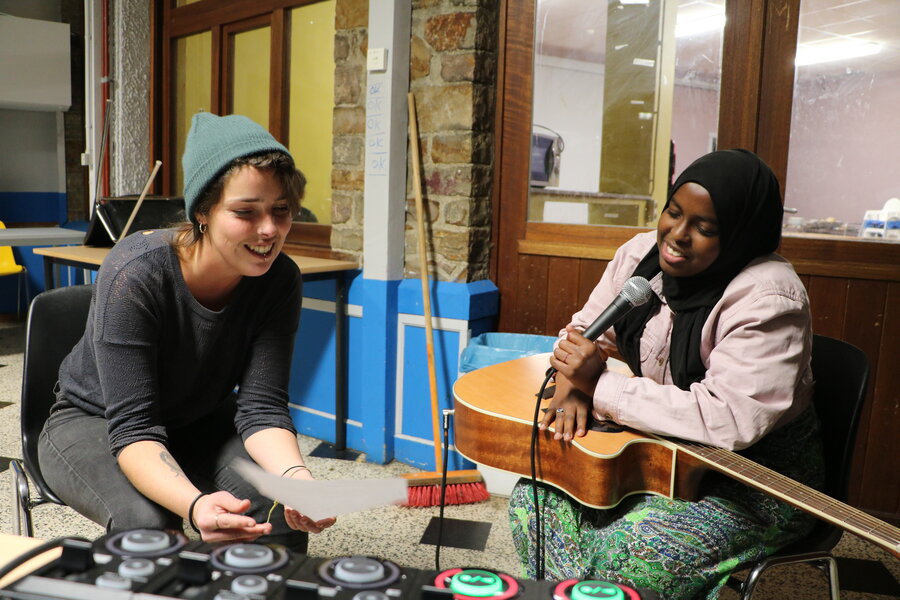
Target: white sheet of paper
point(326, 498)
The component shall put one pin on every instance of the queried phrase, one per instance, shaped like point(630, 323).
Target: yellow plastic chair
point(9, 266)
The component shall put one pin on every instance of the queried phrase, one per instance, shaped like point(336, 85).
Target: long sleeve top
point(153, 358)
point(755, 345)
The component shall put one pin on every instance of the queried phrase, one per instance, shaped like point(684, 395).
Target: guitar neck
point(803, 497)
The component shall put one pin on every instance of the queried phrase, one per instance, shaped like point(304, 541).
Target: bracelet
point(190, 514)
point(295, 467)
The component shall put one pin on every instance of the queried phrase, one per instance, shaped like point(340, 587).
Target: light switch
point(376, 59)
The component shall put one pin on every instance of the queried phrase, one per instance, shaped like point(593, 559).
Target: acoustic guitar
point(493, 422)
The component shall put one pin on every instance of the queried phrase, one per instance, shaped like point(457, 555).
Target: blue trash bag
point(492, 348)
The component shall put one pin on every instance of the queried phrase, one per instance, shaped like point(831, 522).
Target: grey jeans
point(75, 460)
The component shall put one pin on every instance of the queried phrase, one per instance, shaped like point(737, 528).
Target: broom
point(424, 489)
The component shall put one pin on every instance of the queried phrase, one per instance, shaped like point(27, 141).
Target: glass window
point(843, 174)
point(312, 104)
point(193, 88)
point(250, 74)
point(626, 94)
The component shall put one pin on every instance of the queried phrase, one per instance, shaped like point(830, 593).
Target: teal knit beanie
point(212, 143)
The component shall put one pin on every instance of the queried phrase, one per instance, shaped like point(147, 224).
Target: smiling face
point(246, 229)
point(688, 232)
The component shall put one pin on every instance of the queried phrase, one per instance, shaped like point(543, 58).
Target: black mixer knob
point(144, 541)
point(113, 581)
point(371, 595)
point(248, 556)
point(477, 583)
point(136, 567)
point(359, 569)
point(249, 584)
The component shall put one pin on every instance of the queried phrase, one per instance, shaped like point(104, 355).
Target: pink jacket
point(755, 345)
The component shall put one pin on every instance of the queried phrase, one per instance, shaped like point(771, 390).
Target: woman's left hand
point(303, 523)
point(580, 360)
point(299, 521)
point(569, 411)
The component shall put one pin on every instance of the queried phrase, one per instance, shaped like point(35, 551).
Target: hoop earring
point(202, 227)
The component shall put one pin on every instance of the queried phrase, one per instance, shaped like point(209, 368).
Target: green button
point(477, 583)
point(588, 590)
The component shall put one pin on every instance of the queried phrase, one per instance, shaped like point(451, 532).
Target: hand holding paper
point(320, 499)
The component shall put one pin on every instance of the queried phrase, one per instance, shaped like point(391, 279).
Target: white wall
point(568, 98)
point(31, 142)
point(31, 147)
point(35, 71)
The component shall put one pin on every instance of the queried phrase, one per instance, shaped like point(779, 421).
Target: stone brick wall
point(452, 71)
point(349, 127)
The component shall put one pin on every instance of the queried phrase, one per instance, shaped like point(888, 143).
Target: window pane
point(312, 103)
point(845, 125)
point(193, 88)
point(251, 56)
point(620, 89)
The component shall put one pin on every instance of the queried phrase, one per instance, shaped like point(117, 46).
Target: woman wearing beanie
point(185, 360)
point(721, 354)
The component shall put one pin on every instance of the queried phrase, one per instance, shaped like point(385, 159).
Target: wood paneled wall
point(854, 300)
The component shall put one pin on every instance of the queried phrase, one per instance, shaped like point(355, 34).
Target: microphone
point(635, 292)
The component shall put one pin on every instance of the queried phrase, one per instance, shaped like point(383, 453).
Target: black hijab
point(747, 201)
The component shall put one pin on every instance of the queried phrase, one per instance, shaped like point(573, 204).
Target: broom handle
point(140, 201)
point(423, 275)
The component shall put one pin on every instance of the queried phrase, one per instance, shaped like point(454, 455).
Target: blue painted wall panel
point(373, 360)
point(33, 207)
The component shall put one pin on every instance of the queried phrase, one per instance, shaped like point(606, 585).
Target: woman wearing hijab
point(721, 356)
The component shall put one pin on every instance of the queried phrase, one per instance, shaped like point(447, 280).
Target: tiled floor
point(395, 532)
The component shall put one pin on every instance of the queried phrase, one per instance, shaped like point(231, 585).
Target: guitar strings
point(738, 466)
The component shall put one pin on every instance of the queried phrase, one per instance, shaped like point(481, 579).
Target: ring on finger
point(560, 410)
point(217, 522)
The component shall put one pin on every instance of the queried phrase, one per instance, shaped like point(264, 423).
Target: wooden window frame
point(754, 112)
point(168, 23)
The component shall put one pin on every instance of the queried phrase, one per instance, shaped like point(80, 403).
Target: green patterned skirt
point(678, 549)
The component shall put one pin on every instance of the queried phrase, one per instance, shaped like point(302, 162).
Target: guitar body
point(493, 423)
point(494, 415)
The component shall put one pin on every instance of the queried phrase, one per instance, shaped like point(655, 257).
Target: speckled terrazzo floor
point(393, 533)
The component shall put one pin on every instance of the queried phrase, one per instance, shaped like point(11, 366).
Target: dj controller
point(147, 564)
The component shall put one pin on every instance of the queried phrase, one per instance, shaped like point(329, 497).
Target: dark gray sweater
point(153, 358)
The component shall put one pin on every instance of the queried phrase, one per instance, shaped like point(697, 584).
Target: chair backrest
point(8, 264)
point(841, 373)
point(56, 321)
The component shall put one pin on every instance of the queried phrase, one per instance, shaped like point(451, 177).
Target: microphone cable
point(538, 521)
point(445, 423)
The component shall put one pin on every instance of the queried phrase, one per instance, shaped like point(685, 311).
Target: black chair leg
point(827, 563)
point(21, 501)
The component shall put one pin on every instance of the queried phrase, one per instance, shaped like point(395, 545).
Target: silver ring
point(560, 410)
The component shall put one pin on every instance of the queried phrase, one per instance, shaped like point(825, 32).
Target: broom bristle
point(457, 493)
